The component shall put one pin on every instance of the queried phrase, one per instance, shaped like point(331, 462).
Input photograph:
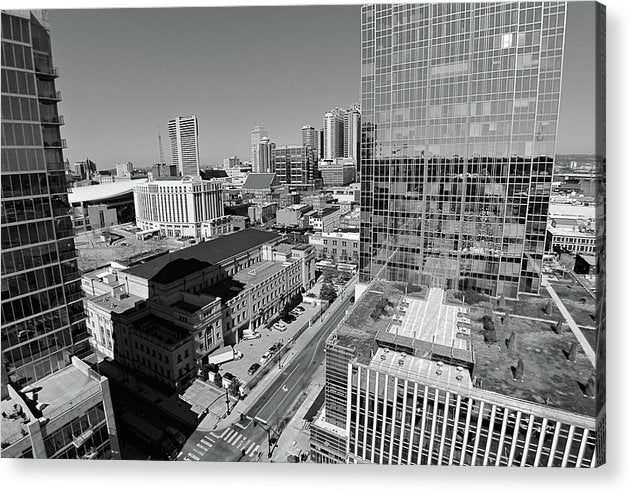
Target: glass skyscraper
point(42, 311)
point(459, 118)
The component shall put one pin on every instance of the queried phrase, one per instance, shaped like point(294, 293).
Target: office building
point(411, 379)
point(333, 127)
point(352, 133)
point(231, 162)
point(292, 216)
point(124, 170)
point(184, 135)
point(177, 207)
point(266, 156)
point(338, 245)
point(338, 172)
point(295, 166)
point(44, 399)
point(310, 138)
point(83, 170)
point(324, 219)
point(459, 114)
point(256, 135)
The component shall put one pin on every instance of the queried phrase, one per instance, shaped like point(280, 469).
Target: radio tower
point(163, 164)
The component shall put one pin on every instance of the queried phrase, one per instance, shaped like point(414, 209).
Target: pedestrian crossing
point(230, 436)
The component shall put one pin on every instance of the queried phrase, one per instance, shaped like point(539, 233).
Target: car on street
point(295, 313)
point(250, 335)
point(253, 368)
point(265, 357)
point(299, 309)
point(275, 347)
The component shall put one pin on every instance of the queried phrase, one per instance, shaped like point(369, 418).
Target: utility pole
point(227, 402)
point(269, 431)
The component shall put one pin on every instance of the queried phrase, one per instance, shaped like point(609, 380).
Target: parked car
point(250, 335)
point(280, 326)
point(299, 309)
point(253, 368)
point(265, 357)
point(295, 313)
point(275, 347)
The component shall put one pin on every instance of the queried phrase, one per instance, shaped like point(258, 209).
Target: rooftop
point(211, 252)
point(103, 191)
point(259, 181)
point(430, 329)
point(161, 331)
point(114, 304)
point(258, 272)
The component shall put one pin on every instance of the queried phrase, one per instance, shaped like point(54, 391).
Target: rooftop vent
point(401, 362)
point(403, 355)
point(383, 356)
point(459, 377)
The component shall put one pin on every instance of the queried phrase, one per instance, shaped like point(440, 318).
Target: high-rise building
point(459, 111)
point(53, 404)
point(184, 134)
point(124, 170)
point(310, 137)
point(352, 133)
point(320, 137)
point(266, 155)
point(333, 127)
point(231, 162)
point(256, 134)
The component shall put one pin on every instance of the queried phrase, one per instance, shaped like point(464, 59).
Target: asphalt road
point(247, 440)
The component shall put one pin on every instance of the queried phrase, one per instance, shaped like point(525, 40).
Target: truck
point(223, 355)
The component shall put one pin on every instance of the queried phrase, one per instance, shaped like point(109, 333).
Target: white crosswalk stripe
point(202, 447)
point(249, 449)
point(224, 432)
point(254, 451)
point(186, 457)
point(193, 456)
point(230, 435)
point(235, 439)
point(206, 442)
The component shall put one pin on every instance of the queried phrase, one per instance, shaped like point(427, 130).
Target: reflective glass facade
point(42, 312)
point(459, 116)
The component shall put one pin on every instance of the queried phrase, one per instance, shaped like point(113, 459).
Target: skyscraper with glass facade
point(459, 117)
point(42, 310)
point(184, 135)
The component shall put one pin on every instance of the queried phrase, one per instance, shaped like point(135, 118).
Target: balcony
point(60, 143)
point(53, 120)
point(46, 72)
point(52, 96)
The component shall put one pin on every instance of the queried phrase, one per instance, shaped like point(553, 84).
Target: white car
point(281, 326)
point(250, 335)
point(267, 355)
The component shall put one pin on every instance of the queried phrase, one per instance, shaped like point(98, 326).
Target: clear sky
point(124, 72)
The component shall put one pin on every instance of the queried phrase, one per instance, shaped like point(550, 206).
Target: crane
point(163, 164)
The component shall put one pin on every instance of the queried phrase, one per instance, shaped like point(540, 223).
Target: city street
point(271, 408)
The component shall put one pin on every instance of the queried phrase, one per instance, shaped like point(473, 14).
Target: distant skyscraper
point(310, 137)
point(352, 133)
point(459, 142)
point(266, 155)
point(334, 133)
point(184, 134)
point(231, 162)
point(256, 135)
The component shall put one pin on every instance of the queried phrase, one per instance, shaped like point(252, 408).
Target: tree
point(218, 380)
point(559, 326)
point(566, 261)
point(512, 342)
point(235, 387)
point(327, 292)
point(548, 308)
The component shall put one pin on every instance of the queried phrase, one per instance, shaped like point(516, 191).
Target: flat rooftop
point(161, 331)
point(115, 304)
point(432, 329)
point(258, 272)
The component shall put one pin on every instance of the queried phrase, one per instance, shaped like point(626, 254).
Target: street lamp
point(279, 354)
point(269, 431)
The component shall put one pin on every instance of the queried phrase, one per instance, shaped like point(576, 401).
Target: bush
point(327, 292)
point(234, 387)
point(218, 380)
point(490, 336)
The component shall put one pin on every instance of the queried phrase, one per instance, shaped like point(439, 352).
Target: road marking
point(254, 451)
point(230, 435)
point(236, 438)
point(208, 444)
point(186, 457)
point(210, 439)
point(205, 449)
point(249, 449)
point(288, 376)
point(193, 456)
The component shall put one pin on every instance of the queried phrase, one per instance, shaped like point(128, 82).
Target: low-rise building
point(324, 219)
point(339, 245)
point(347, 194)
point(262, 213)
point(337, 172)
point(66, 415)
point(178, 206)
point(292, 216)
point(217, 226)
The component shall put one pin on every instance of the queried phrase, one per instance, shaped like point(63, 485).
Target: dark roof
point(207, 174)
point(208, 252)
point(259, 181)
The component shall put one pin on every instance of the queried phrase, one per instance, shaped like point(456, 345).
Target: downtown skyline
point(143, 79)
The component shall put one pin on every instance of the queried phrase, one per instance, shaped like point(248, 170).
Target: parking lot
point(253, 349)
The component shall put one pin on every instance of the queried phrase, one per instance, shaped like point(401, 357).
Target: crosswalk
point(231, 436)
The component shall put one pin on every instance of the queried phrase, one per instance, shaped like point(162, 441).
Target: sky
point(124, 72)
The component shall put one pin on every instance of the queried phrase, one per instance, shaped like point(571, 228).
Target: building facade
point(338, 172)
point(324, 219)
point(184, 135)
point(342, 246)
point(459, 115)
point(177, 207)
point(333, 126)
point(218, 226)
point(266, 156)
point(42, 312)
point(124, 170)
point(295, 166)
point(292, 216)
point(352, 133)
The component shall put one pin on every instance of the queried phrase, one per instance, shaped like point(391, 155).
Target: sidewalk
point(294, 439)
point(210, 422)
